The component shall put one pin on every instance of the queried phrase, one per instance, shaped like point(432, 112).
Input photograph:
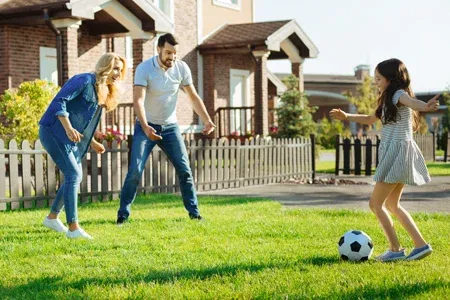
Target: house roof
point(18, 6)
point(243, 33)
point(280, 37)
point(325, 78)
point(109, 17)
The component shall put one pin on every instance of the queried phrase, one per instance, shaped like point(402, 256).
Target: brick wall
point(222, 76)
point(90, 48)
point(4, 61)
point(185, 15)
point(24, 43)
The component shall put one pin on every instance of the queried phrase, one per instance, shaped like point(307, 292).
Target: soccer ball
point(355, 245)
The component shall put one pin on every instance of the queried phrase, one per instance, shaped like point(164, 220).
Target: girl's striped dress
point(400, 159)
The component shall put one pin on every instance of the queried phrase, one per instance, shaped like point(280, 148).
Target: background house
point(225, 50)
point(326, 91)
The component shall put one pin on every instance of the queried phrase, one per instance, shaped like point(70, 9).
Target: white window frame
point(246, 75)
point(228, 4)
point(129, 50)
point(246, 101)
point(45, 52)
point(168, 5)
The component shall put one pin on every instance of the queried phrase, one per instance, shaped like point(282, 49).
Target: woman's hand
point(99, 148)
point(433, 104)
point(338, 114)
point(73, 134)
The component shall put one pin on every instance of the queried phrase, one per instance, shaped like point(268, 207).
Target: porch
point(241, 91)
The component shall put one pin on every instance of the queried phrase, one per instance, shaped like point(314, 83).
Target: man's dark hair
point(169, 38)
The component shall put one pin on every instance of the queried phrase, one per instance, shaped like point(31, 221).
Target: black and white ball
point(355, 245)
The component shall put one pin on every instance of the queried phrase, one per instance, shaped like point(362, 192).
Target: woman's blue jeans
point(70, 166)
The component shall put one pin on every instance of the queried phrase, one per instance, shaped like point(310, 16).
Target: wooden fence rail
point(29, 177)
point(359, 155)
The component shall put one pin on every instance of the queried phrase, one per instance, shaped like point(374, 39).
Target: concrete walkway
point(432, 197)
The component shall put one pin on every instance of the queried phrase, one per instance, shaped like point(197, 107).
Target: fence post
point(445, 145)
point(378, 147)
point(3, 186)
point(313, 156)
point(434, 146)
point(337, 147)
point(368, 167)
point(347, 147)
point(357, 156)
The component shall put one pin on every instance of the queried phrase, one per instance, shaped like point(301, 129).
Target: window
point(166, 6)
point(233, 4)
point(48, 64)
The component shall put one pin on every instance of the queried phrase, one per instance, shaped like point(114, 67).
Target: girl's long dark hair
point(397, 75)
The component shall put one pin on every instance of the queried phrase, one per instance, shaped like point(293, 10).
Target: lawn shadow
point(401, 291)
point(320, 260)
point(171, 200)
point(44, 287)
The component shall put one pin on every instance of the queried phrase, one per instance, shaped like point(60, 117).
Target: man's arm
point(199, 108)
point(138, 104)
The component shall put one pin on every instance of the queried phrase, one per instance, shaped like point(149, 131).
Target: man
point(156, 84)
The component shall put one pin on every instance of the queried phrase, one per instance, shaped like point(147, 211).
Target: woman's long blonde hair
point(108, 94)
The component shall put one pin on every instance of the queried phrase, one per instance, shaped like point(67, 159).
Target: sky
point(348, 33)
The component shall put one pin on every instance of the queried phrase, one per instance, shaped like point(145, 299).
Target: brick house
point(226, 51)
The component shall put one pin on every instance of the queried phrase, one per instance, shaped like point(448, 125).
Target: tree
point(366, 101)
point(294, 116)
point(327, 131)
point(23, 107)
point(423, 126)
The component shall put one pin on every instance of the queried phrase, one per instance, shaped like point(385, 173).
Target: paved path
point(433, 197)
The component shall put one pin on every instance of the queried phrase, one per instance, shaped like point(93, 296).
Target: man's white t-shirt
point(162, 88)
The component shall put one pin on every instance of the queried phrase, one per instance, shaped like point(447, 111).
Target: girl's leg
point(380, 193)
point(393, 205)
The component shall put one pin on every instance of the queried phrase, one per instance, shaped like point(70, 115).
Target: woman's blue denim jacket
point(77, 100)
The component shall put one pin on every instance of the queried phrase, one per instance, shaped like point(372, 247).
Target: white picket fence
point(29, 177)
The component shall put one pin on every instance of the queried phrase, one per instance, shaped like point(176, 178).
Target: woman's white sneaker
point(54, 224)
point(78, 233)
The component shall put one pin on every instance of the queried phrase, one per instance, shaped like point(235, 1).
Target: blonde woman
point(66, 130)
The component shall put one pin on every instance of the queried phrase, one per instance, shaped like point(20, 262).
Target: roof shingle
point(244, 33)
point(17, 6)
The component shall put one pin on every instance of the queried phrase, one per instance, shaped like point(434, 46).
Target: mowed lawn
point(246, 249)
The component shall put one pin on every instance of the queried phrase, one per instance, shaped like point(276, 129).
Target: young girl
point(400, 159)
point(66, 131)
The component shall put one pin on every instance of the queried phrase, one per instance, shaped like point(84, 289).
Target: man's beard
point(167, 62)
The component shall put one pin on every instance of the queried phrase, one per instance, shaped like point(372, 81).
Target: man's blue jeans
point(173, 145)
point(70, 166)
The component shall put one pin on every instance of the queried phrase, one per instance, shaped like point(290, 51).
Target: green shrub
point(23, 107)
point(327, 131)
point(294, 113)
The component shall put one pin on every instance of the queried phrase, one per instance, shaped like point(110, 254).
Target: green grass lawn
point(439, 168)
point(246, 249)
